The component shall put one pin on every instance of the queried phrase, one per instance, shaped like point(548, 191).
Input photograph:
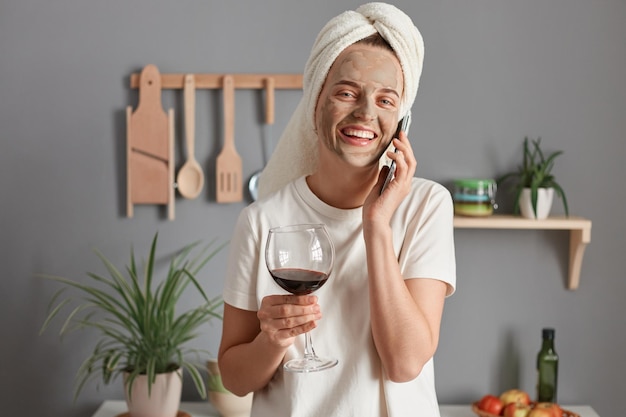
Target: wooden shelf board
point(579, 227)
point(507, 221)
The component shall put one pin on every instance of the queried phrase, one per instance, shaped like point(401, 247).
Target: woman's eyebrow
point(392, 91)
point(387, 90)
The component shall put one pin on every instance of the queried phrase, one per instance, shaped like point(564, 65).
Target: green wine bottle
point(547, 368)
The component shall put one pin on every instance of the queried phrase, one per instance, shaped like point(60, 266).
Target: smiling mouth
point(359, 134)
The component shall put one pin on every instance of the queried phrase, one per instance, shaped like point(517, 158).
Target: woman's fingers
point(282, 317)
point(404, 157)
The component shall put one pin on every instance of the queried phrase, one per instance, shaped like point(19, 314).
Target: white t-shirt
point(357, 386)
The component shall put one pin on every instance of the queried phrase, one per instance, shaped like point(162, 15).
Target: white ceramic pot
point(544, 203)
point(163, 400)
point(224, 401)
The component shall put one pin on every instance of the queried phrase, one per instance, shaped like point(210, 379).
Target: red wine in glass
point(300, 259)
point(299, 281)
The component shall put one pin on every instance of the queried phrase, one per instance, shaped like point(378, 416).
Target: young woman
point(380, 311)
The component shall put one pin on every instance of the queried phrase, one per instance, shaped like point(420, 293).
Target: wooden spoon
point(190, 177)
point(228, 168)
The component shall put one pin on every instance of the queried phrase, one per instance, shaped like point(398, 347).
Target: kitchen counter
point(204, 409)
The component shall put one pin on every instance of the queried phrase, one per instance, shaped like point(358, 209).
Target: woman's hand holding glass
point(283, 317)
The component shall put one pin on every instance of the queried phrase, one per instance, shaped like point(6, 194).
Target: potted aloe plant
point(534, 182)
point(142, 335)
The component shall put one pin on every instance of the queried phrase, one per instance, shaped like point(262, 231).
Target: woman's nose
point(365, 109)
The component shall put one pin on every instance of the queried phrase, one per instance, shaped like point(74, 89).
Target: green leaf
point(561, 194)
point(196, 378)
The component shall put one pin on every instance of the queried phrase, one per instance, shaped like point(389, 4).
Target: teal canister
point(474, 197)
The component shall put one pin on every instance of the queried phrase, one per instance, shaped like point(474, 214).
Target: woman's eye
point(386, 102)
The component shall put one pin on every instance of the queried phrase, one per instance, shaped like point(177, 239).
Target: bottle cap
point(548, 333)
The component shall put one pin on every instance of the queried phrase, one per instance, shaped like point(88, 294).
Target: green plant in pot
point(142, 336)
point(534, 179)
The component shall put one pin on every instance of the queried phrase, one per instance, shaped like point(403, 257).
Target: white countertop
point(204, 409)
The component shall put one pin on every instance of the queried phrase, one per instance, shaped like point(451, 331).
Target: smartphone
point(403, 126)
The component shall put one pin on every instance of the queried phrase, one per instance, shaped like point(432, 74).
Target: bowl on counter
point(481, 413)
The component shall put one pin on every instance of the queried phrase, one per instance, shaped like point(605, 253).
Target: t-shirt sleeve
point(428, 250)
point(242, 267)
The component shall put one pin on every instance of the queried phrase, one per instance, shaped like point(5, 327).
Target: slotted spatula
point(228, 168)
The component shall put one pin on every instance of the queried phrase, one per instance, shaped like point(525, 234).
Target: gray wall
point(495, 71)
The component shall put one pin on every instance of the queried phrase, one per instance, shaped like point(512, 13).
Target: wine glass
point(300, 259)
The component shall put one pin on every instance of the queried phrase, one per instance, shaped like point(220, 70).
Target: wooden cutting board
point(150, 147)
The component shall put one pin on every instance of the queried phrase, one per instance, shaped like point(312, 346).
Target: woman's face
point(357, 110)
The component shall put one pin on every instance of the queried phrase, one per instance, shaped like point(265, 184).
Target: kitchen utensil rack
point(214, 81)
point(161, 192)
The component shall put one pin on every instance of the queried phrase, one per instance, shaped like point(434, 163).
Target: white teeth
point(359, 133)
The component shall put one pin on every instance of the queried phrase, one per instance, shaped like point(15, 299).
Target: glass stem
point(309, 353)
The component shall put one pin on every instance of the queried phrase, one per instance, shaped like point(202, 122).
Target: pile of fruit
point(516, 403)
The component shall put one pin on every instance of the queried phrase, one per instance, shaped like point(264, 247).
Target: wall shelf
point(580, 234)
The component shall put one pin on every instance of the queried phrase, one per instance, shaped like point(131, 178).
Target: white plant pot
point(224, 401)
point(163, 400)
point(544, 203)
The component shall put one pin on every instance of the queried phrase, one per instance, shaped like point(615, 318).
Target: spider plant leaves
point(140, 330)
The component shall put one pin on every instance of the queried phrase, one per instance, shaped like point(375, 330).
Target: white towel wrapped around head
point(296, 153)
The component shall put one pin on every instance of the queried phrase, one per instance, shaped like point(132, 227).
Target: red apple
point(546, 410)
point(490, 404)
point(517, 410)
point(514, 396)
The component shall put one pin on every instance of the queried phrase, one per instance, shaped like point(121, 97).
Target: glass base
point(312, 364)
